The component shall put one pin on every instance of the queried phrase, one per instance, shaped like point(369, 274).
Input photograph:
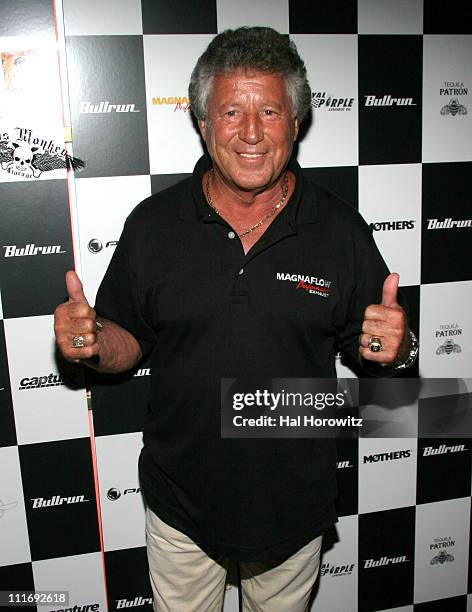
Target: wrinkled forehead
point(248, 81)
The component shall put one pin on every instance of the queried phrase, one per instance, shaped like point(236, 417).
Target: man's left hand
point(386, 322)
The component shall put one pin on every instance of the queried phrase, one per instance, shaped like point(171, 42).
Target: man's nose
point(251, 130)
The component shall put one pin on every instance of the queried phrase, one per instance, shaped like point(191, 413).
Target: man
point(198, 280)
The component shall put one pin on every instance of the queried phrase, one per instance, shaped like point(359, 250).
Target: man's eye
point(231, 113)
point(268, 112)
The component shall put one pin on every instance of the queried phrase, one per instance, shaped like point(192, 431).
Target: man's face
point(249, 130)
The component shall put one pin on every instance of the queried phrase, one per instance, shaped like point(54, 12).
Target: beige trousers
point(186, 579)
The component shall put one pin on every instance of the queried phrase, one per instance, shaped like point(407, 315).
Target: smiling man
point(244, 270)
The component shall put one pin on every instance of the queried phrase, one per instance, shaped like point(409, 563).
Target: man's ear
point(202, 128)
point(296, 127)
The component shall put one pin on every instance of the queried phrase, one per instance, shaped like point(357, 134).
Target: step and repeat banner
point(390, 132)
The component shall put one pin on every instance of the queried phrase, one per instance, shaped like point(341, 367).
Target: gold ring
point(78, 342)
point(375, 344)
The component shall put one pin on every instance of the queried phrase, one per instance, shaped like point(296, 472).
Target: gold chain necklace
point(265, 218)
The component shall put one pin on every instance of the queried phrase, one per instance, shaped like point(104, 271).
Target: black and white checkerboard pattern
point(391, 132)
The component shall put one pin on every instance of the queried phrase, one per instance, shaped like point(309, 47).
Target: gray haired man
point(202, 280)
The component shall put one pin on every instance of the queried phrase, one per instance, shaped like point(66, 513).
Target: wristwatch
point(414, 348)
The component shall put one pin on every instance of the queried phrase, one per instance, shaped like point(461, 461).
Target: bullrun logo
point(57, 500)
point(133, 603)
point(449, 223)
point(180, 103)
point(368, 563)
point(443, 449)
point(11, 250)
point(314, 285)
point(454, 107)
point(103, 107)
point(323, 100)
point(387, 100)
point(27, 156)
point(448, 332)
point(384, 226)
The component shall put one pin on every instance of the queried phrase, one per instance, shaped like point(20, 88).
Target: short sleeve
point(120, 298)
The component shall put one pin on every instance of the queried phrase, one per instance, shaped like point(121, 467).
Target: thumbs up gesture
point(385, 336)
point(75, 323)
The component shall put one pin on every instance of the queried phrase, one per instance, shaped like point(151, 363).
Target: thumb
point(74, 288)
point(389, 291)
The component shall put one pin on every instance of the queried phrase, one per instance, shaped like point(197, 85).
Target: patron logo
point(443, 449)
point(448, 348)
point(313, 284)
point(50, 380)
point(448, 223)
point(324, 100)
point(87, 108)
point(95, 245)
point(368, 563)
point(440, 543)
point(442, 557)
point(114, 494)
point(388, 100)
point(5, 507)
point(403, 454)
point(384, 226)
point(337, 570)
point(453, 108)
point(57, 500)
point(181, 103)
point(450, 329)
point(340, 465)
point(453, 88)
point(28, 156)
point(12, 250)
point(133, 603)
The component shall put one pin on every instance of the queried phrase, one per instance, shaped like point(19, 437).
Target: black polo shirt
point(180, 282)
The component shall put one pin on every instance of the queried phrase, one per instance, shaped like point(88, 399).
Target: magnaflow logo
point(448, 223)
point(133, 603)
point(384, 226)
point(49, 380)
point(402, 454)
point(384, 561)
point(337, 570)
point(388, 100)
point(313, 284)
point(11, 250)
point(443, 449)
point(87, 108)
point(178, 102)
point(57, 500)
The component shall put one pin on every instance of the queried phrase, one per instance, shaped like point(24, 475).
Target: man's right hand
point(75, 318)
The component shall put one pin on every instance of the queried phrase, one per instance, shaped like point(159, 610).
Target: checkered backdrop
point(391, 132)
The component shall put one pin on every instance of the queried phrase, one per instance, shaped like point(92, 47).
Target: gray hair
point(257, 48)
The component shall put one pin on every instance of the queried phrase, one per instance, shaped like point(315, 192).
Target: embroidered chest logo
point(313, 284)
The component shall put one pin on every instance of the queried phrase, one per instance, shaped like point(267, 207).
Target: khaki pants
point(186, 579)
